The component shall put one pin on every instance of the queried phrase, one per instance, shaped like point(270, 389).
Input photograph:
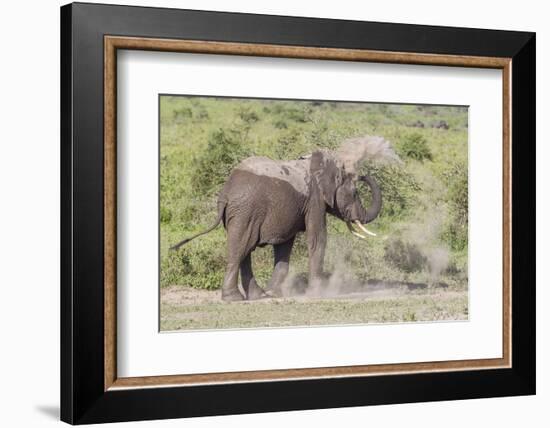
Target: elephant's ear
point(325, 172)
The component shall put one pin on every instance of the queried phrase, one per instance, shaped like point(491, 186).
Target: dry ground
point(184, 308)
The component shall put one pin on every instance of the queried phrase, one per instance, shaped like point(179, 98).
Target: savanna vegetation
point(422, 229)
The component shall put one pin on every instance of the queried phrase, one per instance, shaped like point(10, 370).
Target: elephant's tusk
point(363, 228)
point(354, 232)
point(359, 235)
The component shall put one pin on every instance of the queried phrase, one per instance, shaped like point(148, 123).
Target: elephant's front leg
point(281, 255)
point(317, 242)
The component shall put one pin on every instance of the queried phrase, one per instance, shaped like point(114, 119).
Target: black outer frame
point(83, 399)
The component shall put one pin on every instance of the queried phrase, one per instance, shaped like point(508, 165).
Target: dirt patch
point(187, 308)
point(178, 295)
point(373, 289)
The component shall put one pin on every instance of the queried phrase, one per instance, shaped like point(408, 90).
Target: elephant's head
point(337, 184)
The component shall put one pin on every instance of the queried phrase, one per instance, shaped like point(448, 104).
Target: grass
point(210, 313)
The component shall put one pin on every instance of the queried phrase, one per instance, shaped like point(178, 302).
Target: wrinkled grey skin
point(266, 202)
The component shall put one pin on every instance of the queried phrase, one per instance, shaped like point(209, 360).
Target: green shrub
point(280, 124)
point(415, 146)
point(182, 114)
point(198, 264)
point(399, 189)
point(277, 108)
point(225, 149)
point(456, 229)
point(286, 144)
point(165, 214)
point(318, 135)
point(248, 115)
point(300, 115)
point(456, 235)
point(202, 114)
point(405, 256)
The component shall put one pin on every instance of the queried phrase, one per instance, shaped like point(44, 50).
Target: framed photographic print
point(265, 213)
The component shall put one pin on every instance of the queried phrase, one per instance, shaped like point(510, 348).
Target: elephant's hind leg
point(252, 290)
point(241, 240)
point(281, 255)
point(230, 291)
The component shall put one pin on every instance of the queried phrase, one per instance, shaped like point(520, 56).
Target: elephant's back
point(266, 206)
point(296, 172)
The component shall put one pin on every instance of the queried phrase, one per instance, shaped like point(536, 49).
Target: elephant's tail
point(221, 210)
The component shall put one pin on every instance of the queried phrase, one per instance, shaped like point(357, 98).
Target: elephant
point(268, 202)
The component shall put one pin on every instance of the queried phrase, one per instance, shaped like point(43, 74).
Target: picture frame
point(91, 391)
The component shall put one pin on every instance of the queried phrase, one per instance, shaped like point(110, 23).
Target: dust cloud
point(344, 279)
point(424, 235)
point(420, 238)
point(355, 150)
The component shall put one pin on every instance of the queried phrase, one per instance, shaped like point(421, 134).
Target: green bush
point(198, 264)
point(286, 145)
point(202, 114)
point(414, 146)
point(300, 115)
point(182, 114)
point(165, 214)
point(456, 230)
point(280, 124)
point(248, 116)
point(399, 189)
point(225, 149)
point(405, 256)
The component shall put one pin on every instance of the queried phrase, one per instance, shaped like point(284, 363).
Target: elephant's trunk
point(376, 204)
